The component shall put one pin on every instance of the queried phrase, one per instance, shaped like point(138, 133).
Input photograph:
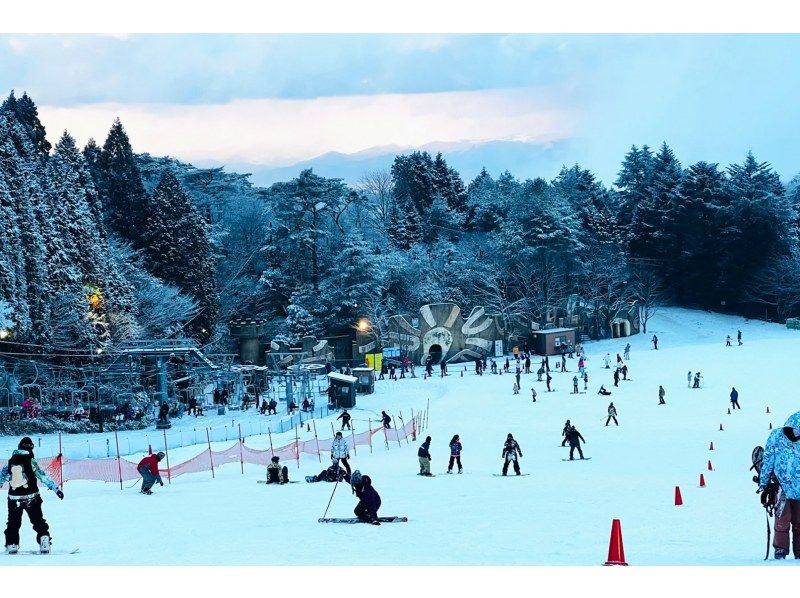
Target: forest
point(101, 245)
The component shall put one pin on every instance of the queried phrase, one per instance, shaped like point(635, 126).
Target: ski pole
point(332, 493)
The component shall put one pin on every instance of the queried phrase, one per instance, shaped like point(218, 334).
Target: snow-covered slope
point(560, 514)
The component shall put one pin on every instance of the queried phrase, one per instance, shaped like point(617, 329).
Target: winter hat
point(427, 439)
point(356, 477)
point(509, 436)
point(26, 444)
point(160, 455)
point(275, 459)
point(338, 434)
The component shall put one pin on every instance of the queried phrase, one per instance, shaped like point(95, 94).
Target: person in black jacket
point(387, 421)
point(564, 433)
point(277, 473)
point(511, 454)
point(612, 414)
point(369, 501)
point(345, 417)
point(424, 455)
point(574, 438)
point(23, 473)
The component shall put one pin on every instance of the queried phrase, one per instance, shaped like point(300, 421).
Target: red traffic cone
point(768, 409)
point(678, 497)
point(709, 466)
point(616, 551)
point(729, 412)
point(711, 446)
point(702, 481)
point(721, 429)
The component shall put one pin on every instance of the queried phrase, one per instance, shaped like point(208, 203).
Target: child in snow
point(564, 432)
point(607, 361)
point(424, 455)
point(728, 341)
point(655, 342)
point(516, 388)
point(455, 454)
point(627, 351)
point(585, 380)
point(369, 501)
point(574, 385)
point(533, 394)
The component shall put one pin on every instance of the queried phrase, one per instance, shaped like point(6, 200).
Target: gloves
point(60, 494)
point(760, 490)
point(161, 483)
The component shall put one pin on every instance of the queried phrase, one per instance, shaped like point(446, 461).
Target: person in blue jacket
point(782, 462)
point(734, 399)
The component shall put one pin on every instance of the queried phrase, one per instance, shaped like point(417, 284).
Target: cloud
point(279, 131)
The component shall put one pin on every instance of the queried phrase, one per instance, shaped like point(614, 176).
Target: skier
point(627, 351)
point(23, 473)
point(277, 474)
point(585, 380)
point(661, 394)
point(387, 421)
point(511, 454)
point(574, 385)
point(369, 501)
point(728, 341)
point(403, 368)
point(616, 377)
point(455, 454)
point(581, 366)
point(782, 462)
point(655, 342)
point(612, 414)
point(424, 455)
point(564, 432)
point(340, 451)
point(734, 399)
point(333, 474)
point(516, 388)
point(547, 363)
point(739, 337)
point(549, 378)
point(574, 438)
point(517, 377)
point(607, 361)
point(345, 417)
point(494, 366)
point(533, 394)
point(148, 469)
point(689, 379)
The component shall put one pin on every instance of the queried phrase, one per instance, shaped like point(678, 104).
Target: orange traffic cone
point(711, 446)
point(709, 466)
point(768, 409)
point(702, 481)
point(616, 551)
point(678, 497)
point(721, 429)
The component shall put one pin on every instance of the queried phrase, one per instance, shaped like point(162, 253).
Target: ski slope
point(559, 515)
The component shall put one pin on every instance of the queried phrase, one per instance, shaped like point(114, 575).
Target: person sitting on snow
point(333, 474)
point(603, 391)
point(369, 501)
point(276, 473)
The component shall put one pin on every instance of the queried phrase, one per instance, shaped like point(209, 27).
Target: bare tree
point(543, 283)
point(648, 292)
point(606, 290)
point(500, 294)
point(777, 285)
point(378, 187)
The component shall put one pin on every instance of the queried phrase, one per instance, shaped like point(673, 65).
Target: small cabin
point(553, 341)
point(342, 390)
point(366, 380)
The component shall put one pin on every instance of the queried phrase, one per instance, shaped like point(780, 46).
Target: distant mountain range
point(522, 159)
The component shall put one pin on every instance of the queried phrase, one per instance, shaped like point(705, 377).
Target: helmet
point(26, 444)
point(160, 455)
point(356, 477)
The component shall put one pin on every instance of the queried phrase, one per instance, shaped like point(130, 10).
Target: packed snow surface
point(560, 514)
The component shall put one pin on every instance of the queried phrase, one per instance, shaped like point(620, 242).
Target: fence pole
point(369, 423)
point(119, 465)
point(317, 439)
point(210, 456)
point(427, 412)
point(269, 431)
point(404, 427)
point(413, 426)
point(166, 451)
point(353, 436)
point(297, 447)
point(61, 461)
point(241, 441)
point(396, 433)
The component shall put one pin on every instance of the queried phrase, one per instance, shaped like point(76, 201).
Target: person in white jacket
point(340, 452)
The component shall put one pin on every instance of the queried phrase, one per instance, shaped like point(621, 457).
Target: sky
point(275, 100)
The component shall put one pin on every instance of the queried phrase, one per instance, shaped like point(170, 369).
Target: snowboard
point(289, 482)
point(511, 475)
point(584, 459)
point(433, 475)
point(356, 520)
point(51, 553)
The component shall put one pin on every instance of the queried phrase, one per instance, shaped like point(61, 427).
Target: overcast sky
point(279, 99)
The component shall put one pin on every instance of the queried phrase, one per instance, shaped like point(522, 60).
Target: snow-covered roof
point(553, 330)
point(342, 377)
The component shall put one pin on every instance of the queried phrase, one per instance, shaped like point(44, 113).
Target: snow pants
point(344, 463)
point(363, 513)
point(453, 458)
point(33, 507)
point(610, 417)
point(735, 404)
point(572, 450)
point(511, 459)
point(148, 479)
point(789, 517)
point(424, 465)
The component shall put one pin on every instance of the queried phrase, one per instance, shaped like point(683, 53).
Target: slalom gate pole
point(61, 461)
point(369, 423)
point(210, 456)
point(241, 455)
point(427, 413)
point(414, 427)
point(353, 436)
point(385, 436)
point(317, 439)
point(331, 499)
point(272, 453)
point(166, 452)
point(297, 446)
point(404, 427)
point(333, 431)
point(396, 433)
point(119, 465)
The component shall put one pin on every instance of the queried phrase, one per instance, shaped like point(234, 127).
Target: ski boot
point(780, 554)
point(44, 545)
point(460, 470)
point(148, 492)
point(375, 522)
point(449, 471)
point(12, 549)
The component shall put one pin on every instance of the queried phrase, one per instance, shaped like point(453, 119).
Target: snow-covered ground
point(559, 515)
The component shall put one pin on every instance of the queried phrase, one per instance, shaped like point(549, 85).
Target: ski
point(584, 459)
point(279, 484)
point(356, 520)
point(51, 553)
point(500, 475)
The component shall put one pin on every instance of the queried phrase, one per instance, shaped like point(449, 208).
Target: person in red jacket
point(148, 469)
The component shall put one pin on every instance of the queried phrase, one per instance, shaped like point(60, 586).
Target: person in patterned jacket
point(455, 454)
point(782, 460)
point(23, 473)
point(511, 454)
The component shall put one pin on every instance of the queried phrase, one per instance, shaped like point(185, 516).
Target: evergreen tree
point(634, 182)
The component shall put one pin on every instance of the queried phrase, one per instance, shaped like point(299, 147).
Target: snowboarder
point(627, 351)
point(533, 394)
point(403, 368)
point(23, 473)
point(619, 358)
point(697, 378)
point(345, 417)
point(581, 366)
point(661, 394)
point(507, 366)
point(424, 455)
point(455, 454)
point(739, 337)
point(369, 501)
point(734, 399)
point(549, 378)
point(603, 391)
point(689, 379)
point(276, 473)
point(163, 413)
point(728, 341)
point(539, 373)
point(340, 451)
point(616, 377)
point(607, 361)
point(511, 454)
point(387, 421)
point(574, 385)
point(333, 474)
point(624, 370)
point(547, 363)
point(564, 432)
point(516, 388)
point(527, 364)
point(612, 414)
point(655, 342)
point(148, 469)
point(782, 462)
point(574, 438)
point(443, 368)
